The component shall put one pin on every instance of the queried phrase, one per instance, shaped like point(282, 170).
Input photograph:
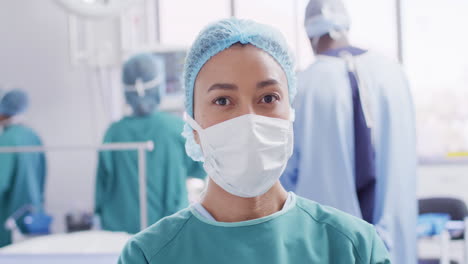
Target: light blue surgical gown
point(22, 175)
point(305, 232)
point(168, 167)
point(322, 166)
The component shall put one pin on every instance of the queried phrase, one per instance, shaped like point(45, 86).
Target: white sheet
point(86, 242)
point(88, 247)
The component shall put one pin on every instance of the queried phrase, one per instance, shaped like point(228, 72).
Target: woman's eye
point(268, 99)
point(222, 101)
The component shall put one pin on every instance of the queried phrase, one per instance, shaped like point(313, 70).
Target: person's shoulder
point(20, 128)
point(118, 124)
point(345, 227)
point(115, 128)
point(172, 124)
point(168, 118)
point(156, 237)
point(326, 71)
point(325, 65)
point(333, 217)
point(18, 133)
point(380, 60)
point(159, 119)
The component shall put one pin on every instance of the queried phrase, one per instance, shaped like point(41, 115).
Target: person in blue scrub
point(355, 132)
point(240, 82)
point(168, 166)
point(22, 175)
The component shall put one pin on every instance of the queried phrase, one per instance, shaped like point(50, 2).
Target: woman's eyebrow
point(223, 86)
point(265, 83)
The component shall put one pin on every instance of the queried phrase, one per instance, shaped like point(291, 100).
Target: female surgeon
point(239, 80)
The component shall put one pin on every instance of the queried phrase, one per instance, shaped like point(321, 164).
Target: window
point(373, 25)
point(435, 55)
point(182, 20)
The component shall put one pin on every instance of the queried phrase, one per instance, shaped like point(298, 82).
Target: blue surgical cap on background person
point(13, 103)
point(219, 36)
point(143, 76)
point(325, 16)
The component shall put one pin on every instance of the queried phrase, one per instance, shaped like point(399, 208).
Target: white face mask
point(246, 155)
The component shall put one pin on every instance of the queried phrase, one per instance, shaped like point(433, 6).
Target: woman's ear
point(197, 138)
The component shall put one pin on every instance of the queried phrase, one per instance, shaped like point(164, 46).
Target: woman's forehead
point(241, 63)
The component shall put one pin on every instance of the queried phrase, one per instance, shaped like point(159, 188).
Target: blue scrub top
point(305, 232)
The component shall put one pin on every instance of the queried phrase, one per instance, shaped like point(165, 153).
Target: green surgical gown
point(22, 175)
point(305, 232)
point(168, 167)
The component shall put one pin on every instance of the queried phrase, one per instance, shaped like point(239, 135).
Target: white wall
point(64, 107)
point(443, 180)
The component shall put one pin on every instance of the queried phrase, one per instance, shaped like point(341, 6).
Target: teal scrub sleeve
point(379, 254)
point(132, 254)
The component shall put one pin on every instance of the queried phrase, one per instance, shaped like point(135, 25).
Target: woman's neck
point(225, 207)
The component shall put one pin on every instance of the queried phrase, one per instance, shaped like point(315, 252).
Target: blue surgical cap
point(219, 36)
point(13, 103)
point(325, 16)
point(144, 78)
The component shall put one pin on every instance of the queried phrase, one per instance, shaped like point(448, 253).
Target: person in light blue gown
point(355, 146)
